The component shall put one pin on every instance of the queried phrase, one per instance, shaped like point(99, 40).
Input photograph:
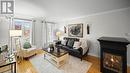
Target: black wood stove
point(113, 57)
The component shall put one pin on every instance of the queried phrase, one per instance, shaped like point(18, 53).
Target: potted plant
point(26, 45)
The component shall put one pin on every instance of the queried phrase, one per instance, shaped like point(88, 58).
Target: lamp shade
point(58, 34)
point(15, 33)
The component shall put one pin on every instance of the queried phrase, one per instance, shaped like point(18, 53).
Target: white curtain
point(37, 33)
point(48, 33)
point(43, 32)
point(33, 32)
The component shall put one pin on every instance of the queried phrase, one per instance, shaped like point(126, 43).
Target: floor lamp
point(15, 34)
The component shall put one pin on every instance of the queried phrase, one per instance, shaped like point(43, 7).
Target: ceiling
point(66, 9)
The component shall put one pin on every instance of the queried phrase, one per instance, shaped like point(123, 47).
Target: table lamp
point(58, 34)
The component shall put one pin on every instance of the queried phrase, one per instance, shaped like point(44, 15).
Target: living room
point(65, 36)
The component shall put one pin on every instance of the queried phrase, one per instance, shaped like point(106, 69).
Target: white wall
point(113, 23)
point(23, 8)
point(4, 29)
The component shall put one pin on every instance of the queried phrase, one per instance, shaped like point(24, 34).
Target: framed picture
point(75, 30)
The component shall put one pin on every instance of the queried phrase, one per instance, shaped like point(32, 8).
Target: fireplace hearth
point(113, 55)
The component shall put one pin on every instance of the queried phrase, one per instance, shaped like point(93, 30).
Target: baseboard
point(91, 54)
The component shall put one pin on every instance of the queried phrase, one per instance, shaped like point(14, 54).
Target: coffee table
point(57, 58)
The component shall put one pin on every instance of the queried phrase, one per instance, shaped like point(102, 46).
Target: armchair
point(23, 53)
point(29, 52)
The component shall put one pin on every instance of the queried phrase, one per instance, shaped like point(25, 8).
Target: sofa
point(77, 52)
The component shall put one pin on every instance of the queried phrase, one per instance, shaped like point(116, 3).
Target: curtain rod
point(23, 19)
point(50, 22)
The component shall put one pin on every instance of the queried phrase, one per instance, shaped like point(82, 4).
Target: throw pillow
point(64, 42)
point(76, 45)
point(27, 45)
point(70, 43)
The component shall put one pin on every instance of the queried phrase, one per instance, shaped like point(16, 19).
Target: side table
point(9, 61)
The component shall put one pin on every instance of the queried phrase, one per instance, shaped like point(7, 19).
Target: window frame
point(13, 26)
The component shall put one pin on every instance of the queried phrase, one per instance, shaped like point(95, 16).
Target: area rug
point(74, 65)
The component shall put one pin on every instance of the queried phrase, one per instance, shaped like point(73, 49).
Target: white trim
point(91, 54)
point(100, 13)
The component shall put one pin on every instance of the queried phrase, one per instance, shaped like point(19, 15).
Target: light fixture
point(14, 33)
point(58, 34)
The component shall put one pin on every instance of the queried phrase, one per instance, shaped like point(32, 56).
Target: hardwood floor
point(95, 68)
point(26, 67)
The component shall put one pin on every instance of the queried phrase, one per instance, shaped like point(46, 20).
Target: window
point(50, 32)
point(25, 26)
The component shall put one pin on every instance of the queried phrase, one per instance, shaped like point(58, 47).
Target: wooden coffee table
point(56, 58)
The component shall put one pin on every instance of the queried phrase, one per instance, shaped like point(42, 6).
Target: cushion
point(84, 45)
point(27, 45)
point(66, 47)
point(64, 42)
point(70, 43)
point(76, 45)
